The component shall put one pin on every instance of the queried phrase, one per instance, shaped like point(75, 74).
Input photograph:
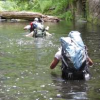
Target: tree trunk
point(27, 16)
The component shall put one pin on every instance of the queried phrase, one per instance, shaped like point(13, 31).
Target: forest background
point(88, 10)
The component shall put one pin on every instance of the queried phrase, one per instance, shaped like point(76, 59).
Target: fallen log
point(27, 15)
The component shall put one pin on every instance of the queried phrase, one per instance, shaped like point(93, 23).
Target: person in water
point(36, 24)
point(37, 28)
point(67, 73)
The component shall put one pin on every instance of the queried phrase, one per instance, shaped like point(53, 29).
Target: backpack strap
point(35, 33)
point(64, 61)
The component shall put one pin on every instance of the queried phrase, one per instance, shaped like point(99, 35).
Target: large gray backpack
point(73, 50)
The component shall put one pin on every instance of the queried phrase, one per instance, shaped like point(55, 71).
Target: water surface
point(24, 64)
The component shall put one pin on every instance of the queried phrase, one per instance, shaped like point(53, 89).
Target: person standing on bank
point(69, 71)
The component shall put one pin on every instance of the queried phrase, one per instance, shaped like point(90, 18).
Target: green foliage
point(67, 16)
point(1, 6)
point(61, 5)
point(62, 8)
point(16, 5)
point(9, 6)
point(44, 4)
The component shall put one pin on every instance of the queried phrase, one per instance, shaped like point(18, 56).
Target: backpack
point(73, 50)
point(39, 30)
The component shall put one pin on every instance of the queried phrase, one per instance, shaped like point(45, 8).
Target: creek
point(25, 61)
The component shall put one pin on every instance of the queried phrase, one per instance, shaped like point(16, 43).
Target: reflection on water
point(24, 64)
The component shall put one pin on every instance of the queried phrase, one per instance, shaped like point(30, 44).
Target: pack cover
point(73, 50)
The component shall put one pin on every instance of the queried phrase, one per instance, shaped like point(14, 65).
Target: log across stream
point(27, 16)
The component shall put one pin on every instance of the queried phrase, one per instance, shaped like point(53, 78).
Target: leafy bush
point(8, 6)
point(44, 4)
point(61, 7)
point(66, 16)
point(69, 15)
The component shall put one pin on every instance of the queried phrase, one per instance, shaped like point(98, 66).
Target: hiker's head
point(36, 19)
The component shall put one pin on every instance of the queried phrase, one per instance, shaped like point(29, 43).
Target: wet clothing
point(71, 73)
point(38, 28)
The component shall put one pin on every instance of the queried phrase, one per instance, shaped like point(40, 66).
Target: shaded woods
point(64, 9)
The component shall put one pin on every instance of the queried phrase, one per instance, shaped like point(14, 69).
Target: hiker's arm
point(27, 27)
point(90, 61)
point(56, 59)
point(48, 34)
point(54, 63)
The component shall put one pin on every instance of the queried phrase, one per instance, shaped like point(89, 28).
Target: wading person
point(37, 29)
point(74, 58)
